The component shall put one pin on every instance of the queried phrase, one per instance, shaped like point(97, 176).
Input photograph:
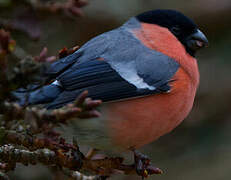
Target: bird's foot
point(143, 165)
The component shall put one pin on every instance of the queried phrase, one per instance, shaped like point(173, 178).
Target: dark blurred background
point(200, 148)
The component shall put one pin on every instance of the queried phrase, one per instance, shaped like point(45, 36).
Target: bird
point(144, 71)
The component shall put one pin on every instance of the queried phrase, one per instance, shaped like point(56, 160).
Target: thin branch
point(10, 154)
point(39, 118)
point(33, 143)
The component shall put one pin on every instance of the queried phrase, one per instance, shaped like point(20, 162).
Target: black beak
point(197, 41)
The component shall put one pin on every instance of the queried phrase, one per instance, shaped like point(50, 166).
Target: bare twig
point(65, 52)
point(38, 118)
point(42, 57)
point(33, 143)
point(10, 154)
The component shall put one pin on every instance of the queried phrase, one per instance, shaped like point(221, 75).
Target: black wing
point(101, 81)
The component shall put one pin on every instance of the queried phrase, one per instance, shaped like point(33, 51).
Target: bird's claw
point(143, 165)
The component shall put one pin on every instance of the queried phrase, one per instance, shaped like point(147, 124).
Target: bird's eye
point(176, 30)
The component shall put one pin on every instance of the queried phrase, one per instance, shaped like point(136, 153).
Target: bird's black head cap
point(180, 25)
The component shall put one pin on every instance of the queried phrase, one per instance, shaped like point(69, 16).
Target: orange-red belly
point(139, 121)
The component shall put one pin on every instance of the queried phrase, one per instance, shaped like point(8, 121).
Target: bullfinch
point(145, 72)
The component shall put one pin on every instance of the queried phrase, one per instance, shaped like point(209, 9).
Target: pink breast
point(140, 121)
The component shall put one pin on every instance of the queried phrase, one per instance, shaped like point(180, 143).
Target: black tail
point(45, 94)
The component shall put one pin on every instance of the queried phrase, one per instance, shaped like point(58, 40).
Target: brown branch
point(52, 142)
point(105, 166)
point(39, 118)
point(10, 154)
point(60, 147)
